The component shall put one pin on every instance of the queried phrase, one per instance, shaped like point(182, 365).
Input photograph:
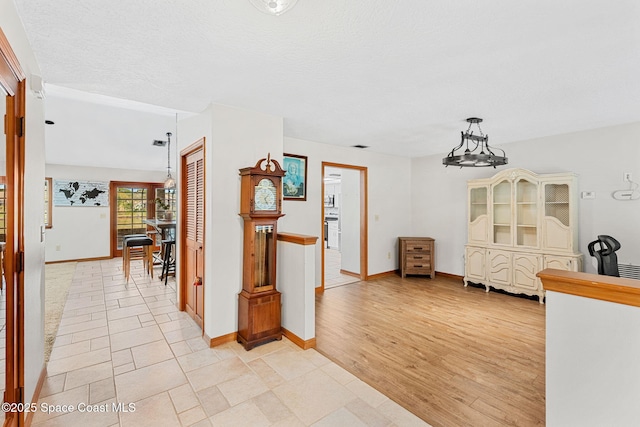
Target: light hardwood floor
point(453, 356)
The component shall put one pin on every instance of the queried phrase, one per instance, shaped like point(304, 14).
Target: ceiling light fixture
point(169, 183)
point(273, 7)
point(486, 157)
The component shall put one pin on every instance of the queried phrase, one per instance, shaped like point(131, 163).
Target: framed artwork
point(80, 193)
point(294, 183)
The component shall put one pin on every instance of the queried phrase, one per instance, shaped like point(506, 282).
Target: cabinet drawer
point(421, 271)
point(418, 256)
point(418, 264)
point(418, 247)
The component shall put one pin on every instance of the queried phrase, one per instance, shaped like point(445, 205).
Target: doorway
point(12, 86)
point(131, 204)
point(191, 253)
point(344, 213)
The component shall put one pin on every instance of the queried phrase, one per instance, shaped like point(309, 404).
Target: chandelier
point(169, 182)
point(477, 152)
point(273, 7)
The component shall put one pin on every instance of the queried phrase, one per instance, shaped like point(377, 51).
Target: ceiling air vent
point(360, 146)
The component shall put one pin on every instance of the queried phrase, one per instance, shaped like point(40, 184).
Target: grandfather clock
point(260, 207)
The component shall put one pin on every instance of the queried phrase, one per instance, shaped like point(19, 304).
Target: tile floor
point(128, 345)
point(332, 265)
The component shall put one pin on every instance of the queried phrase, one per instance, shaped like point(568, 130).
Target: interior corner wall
point(236, 139)
point(190, 129)
point(388, 194)
point(11, 25)
point(598, 156)
point(83, 232)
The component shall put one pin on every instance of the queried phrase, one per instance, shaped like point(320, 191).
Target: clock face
point(265, 196)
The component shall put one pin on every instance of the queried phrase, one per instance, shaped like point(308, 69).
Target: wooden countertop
point(605, 288)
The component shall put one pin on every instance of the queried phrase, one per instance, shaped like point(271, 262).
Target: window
point(132, 203)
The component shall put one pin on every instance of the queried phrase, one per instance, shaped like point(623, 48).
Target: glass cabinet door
point(502, 213)
point(526, 213)
point(264, 256)
point(478, 227)
point(478, 203)
point(556, 202)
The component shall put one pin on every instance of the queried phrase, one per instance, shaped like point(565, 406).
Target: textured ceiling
point(400, 76)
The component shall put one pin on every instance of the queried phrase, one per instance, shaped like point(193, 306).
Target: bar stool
point(145, 244)
point(168, 263)
point(124, 239)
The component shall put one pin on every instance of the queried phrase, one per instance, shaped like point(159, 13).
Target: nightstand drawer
point(418, 247)
point(418, 263)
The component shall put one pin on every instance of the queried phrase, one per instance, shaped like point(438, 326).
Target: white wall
point(238, 138)
point(34, 208)
point(350, 220)
point(389, 200)
point(599, 157)
point(592, 369)
point(191, 129)
point(83, 232)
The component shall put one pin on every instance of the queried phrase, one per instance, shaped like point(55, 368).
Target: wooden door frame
point(364, 228)
point(12, 80)
point(182, 225)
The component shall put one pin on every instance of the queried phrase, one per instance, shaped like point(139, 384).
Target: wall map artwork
point(80, 193)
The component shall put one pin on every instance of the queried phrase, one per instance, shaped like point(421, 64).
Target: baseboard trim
point(223, 339)
point(36, 394)
point(452, 276)
point(349, 273)
point(101, 258)
point(381, 275)
point(303, 344)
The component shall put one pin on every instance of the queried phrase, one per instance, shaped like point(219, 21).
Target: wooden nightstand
point(416, 256)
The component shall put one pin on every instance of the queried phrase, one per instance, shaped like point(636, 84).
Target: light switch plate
point(588, 195)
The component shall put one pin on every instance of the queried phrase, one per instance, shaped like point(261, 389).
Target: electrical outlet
point(627, 177)
point(388, 255)
point(57, 247)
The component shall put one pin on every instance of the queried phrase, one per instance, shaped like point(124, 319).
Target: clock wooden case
point(259, 303)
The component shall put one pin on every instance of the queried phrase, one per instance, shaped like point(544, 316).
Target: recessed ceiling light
point(360, 146)
point(49, 122)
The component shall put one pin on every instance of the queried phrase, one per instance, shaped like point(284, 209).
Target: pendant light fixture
point(477, 152)
point(169, 182)
point(273, 7)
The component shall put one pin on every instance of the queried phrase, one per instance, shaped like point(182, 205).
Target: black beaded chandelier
point(477, 152)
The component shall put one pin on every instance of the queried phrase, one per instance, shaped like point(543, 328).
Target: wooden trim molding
point(364, 215)
point(223, 339)
point(453, 276)
point(10, 57)
point(100, 258)
point(36, 393)
point(303, 344)
point(382, 275)
point(298, 239)
point(349, 273)
point(605, 288)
